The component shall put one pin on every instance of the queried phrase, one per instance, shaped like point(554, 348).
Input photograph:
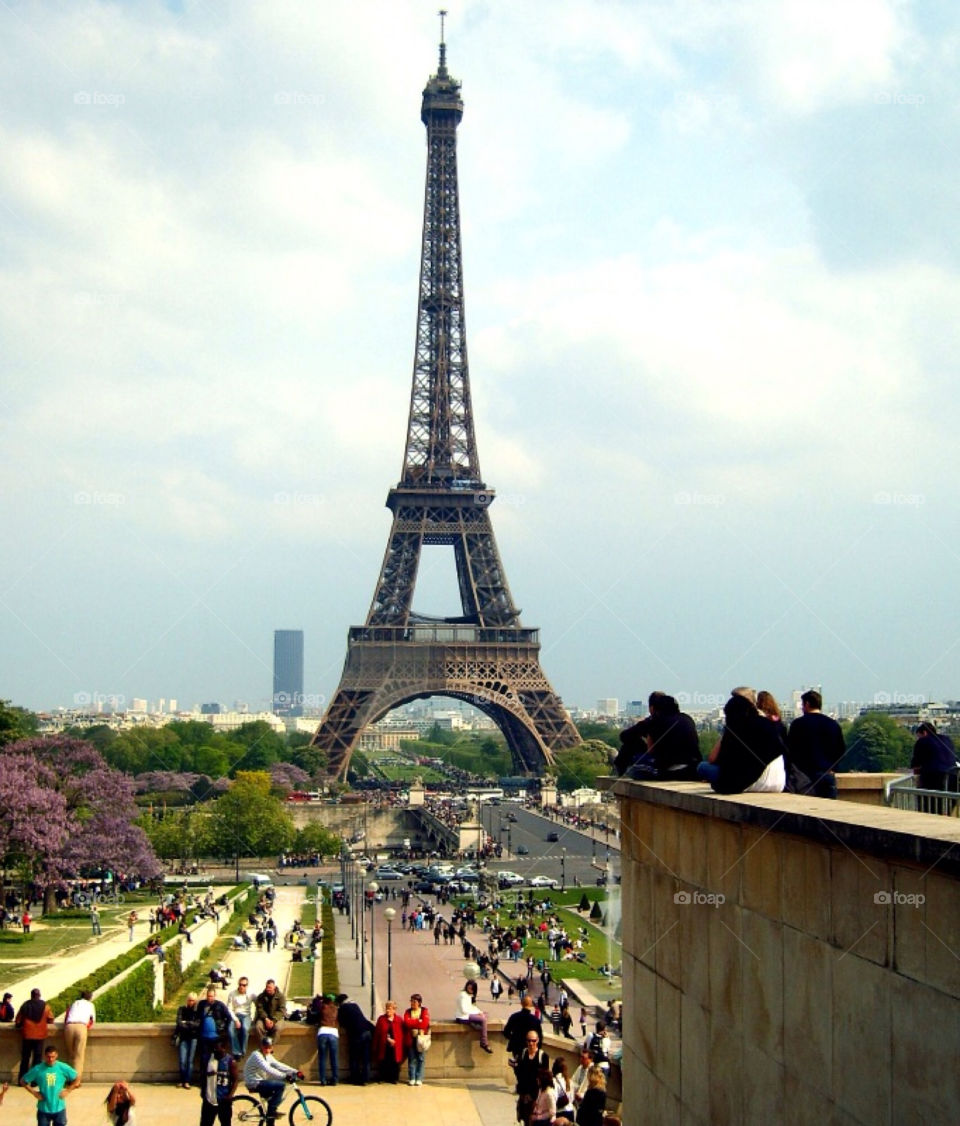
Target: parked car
point(385, 872)
point(543, 882)
point(509, 879)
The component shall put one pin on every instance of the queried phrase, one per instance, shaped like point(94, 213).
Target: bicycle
point(306, 1108)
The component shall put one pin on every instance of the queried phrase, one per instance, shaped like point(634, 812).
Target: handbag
point(424, 1041)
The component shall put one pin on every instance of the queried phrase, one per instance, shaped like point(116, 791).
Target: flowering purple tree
point(68, 810)
point(285, 776)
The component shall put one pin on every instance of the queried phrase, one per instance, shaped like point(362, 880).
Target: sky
point(712, 274)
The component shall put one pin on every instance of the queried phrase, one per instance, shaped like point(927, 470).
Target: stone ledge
point(918, 838)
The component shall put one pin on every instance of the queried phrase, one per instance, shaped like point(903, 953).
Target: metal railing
point(903, 793)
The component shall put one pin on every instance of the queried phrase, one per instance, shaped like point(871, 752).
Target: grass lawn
point(53, 936)
point(301, 982)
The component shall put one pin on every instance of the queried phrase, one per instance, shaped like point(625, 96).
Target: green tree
point(311, 759)
point(181, 834)
point(876, 742)
point(248, 821)
point(315, 838)
point(582, 765)
point(603, 732)
point(260, 746)
point(15, 723)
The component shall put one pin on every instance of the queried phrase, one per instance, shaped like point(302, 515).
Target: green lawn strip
point(300, 985)
point(18, 971)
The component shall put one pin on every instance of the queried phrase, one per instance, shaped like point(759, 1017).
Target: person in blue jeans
point(48, 1082)
point(267, 1076)
point(328, 1042)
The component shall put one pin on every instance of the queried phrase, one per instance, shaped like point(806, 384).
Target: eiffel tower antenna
point(484, 655)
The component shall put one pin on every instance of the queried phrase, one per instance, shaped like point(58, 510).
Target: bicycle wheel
point(247, 1109)
point(310, 1108)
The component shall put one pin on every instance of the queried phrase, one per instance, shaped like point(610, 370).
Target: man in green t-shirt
point(48, 1082)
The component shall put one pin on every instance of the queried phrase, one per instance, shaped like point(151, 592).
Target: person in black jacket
point(215, 1020)
point(934, 759)
point(663, 747)
point(814, 747)
point(518, 1024)
point(359, 1032)
point(594, 1103)
point(749, 744)
point(527, 1068)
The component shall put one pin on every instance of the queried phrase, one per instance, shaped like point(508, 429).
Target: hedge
point(130, 1000)
point(173, 974)
point(330, 976)
point(106, 973)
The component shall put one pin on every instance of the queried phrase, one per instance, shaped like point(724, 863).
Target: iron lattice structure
point(484, 656)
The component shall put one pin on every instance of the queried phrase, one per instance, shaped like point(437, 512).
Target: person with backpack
point(219, 1084)
point(215, 1021)
point(598, 1045)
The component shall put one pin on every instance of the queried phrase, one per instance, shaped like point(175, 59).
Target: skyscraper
point(288, 672)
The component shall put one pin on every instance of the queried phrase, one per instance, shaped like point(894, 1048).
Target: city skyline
point(711, 280)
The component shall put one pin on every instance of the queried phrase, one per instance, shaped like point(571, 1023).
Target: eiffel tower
point(484, 656)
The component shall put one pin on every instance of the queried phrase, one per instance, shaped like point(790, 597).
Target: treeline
point(195, 747)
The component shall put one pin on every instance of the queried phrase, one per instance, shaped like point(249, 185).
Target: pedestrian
point(77, 1023)
point(218, 1087)
point(185, 1037)
point(34, 1020)
point(527, 1067)
point(120, 1103)
point(26, 920)
point(6, 1009)
point(132, 919)
point(95, 919)
point(48, 1082)
point(328, 1041)
point(496, 988)
point(359, 1032)
point(416, 1033)
point(583, 1022)
point(215, 1021)
point(388, 1043)
point(594, 1101)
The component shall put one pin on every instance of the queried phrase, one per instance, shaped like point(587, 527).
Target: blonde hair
point(596, 1077)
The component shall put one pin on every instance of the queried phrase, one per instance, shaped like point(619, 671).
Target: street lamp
point(373, 887)
point(363, 925)
point(563, 869)
point(390, 915)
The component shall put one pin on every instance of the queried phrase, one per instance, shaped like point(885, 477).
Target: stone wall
point(787, 959)
point(143, 1053)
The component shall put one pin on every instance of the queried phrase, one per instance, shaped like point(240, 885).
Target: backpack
point(595, 1048)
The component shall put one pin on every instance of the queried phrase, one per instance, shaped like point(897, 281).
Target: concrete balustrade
point(787, 959)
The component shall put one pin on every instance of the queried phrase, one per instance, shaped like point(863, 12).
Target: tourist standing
point(328, 1041)
point(48, 1082)
point(78, 1022)
point(34, 1020)
point(359, 1030)
point(416, 1026)
point(388, 1043)
point(187, 1032)
point(218, 1087)
point(132, 920)
point(95, 919)
point(120, 1103)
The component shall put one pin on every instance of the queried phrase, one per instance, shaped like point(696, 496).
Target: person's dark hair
point(812, 699)
point(471, 988)
point(926, 728)
point(738, 711)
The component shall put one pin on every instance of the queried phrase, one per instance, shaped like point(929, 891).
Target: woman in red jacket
point(416, 1023)
point(388, 1044)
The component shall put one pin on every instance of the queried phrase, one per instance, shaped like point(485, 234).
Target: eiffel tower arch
point(484, 655)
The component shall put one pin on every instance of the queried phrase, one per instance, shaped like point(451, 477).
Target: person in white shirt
point(240, 1003)
point(79, 1021)
point(578, 1081)
point(267, 1076)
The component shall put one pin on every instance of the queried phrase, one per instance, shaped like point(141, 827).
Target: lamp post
point(373, 887)
point(360, 900)
point(390, 914)
point(563, 869)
